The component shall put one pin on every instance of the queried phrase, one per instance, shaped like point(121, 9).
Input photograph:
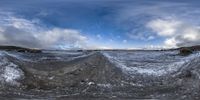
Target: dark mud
point(91, 75)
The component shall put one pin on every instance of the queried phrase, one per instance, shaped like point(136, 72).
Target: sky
point(100, 24)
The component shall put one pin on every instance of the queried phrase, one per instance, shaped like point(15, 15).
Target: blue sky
point(99, 24)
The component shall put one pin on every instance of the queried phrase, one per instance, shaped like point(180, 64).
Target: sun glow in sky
point(99, 24)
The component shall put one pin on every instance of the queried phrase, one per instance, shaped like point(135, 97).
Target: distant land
point(33, 50)
point(20, 49)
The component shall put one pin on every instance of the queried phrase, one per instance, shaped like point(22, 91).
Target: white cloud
point(63, 36)
point(140, 36)
point(29, 33)
point(124, 41)
point(170, 42)
point(102, 47)
point(99, 36)
point(164, 27)
point(177, 33)
point(172, 24)
point(111, 40)
point(154, 47)
point(150, 38)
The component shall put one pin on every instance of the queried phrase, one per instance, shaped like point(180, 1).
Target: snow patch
point(105, 85)
point(149, 62)
point(18, 56)
point(9, 72)
point(91, 83)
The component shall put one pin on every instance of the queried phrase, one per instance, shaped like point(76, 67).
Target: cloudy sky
point(99, 24)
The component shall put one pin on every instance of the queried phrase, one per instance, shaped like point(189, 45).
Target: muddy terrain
point(92, 75)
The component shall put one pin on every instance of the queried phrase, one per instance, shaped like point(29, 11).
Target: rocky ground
point(99, 75)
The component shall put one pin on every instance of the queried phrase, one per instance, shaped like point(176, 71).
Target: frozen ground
point(156, 63)
point(9, 72)
point(99, 75)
